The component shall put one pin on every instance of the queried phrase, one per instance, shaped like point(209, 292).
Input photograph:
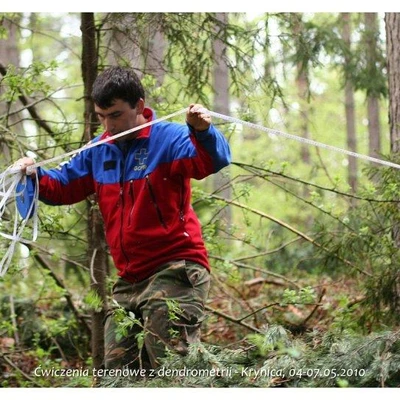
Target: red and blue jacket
point(144, 195)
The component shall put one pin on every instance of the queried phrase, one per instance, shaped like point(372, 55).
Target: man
point(142, 183)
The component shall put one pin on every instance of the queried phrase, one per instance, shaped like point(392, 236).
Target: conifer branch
point(292, 229)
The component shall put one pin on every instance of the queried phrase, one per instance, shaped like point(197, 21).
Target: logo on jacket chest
point(141, 157)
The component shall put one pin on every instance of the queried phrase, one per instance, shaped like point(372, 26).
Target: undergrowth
point(276, 358)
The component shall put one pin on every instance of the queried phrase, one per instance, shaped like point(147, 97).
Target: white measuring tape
point(9, 184)
point(10, 179)
point(301, 139)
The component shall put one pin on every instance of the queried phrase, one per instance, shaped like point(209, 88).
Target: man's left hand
point(198, 120)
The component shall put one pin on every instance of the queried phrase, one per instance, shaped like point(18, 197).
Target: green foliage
point(93, 301)
point(302, 296)
point(174, 310)
point(276, 337)
point(125, 321)
point(345, 315)
point(29, 82)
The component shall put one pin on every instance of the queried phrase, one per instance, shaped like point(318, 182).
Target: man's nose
point(108, 124)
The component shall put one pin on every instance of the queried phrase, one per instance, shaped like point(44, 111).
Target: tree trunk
point(392, 21)
point(303, 88)
point(97, 255)
point(374, 130)
point(393, 64)
point(350, 106)
point(221, 180)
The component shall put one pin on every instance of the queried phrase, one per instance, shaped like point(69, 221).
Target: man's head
point(118, 96)
point(117, 83)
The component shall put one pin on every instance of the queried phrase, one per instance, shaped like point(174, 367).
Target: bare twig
point(262, 270)
point(263, 173)
point(232, 319)
point(278, 304)
point(315, 308)
point(268, 252)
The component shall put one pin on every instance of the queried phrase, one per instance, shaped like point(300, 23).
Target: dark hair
point(117, 83)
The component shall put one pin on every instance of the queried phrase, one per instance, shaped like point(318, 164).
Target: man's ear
point(140, 106)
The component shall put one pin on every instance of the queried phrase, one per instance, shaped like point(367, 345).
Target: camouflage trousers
point(170, 308)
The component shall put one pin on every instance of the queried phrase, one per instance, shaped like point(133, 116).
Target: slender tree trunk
point(122, 41)
point(268, 57)
point(350, 107)
point(97, 255)
point(303, 88)
point(221, 180)
point(374, 130)
point(153, 56)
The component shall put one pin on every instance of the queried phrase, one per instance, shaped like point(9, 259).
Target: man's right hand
point(24, 163)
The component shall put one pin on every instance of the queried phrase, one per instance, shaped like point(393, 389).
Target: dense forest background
point(304, 241)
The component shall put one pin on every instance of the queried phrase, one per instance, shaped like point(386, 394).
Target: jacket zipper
point(153, 199)
point(181, 208)
point(121, 197)
point(181, 212)
point(132, 196)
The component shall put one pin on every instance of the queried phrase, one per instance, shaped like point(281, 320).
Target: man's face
point(119, 117)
